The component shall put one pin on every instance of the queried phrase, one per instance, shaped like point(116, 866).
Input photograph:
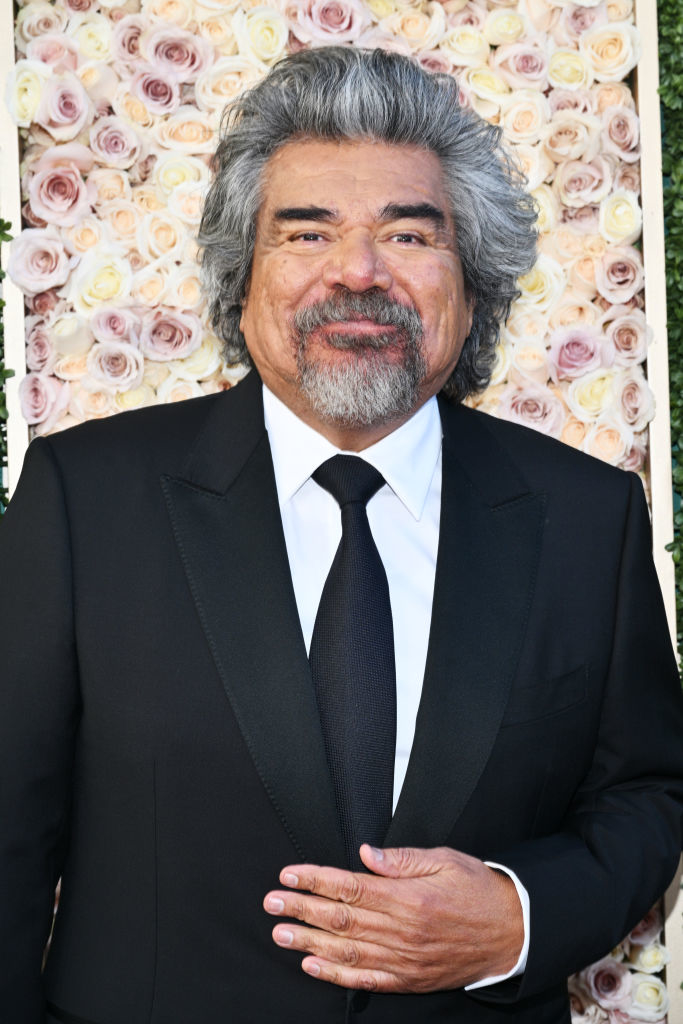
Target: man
point(167, 747)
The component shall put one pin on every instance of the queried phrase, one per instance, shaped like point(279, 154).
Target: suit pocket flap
point(548, 697)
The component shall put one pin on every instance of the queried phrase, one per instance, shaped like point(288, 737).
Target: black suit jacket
point(161, 750)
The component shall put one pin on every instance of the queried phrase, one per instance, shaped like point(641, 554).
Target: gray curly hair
point(345, 93)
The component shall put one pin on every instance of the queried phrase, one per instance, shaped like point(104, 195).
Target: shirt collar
point(406, 457)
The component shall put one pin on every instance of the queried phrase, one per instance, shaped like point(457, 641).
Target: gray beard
point(379, 384)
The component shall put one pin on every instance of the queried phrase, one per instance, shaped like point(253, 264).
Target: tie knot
point(349, 479)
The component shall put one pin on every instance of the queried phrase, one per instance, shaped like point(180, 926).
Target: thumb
point(401, 861)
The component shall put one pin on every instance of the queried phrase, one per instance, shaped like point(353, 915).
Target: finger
point(335, 884)
point(350, 977)
point(328, 915)
point(404, 861)
point(336, 949)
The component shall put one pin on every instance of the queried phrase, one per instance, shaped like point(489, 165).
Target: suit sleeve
point(39, 709)
point(619, 846)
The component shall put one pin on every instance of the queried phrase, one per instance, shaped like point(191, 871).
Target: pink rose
point(621, 133)
point(580, 100)
point(608, 983)
point(158, 90)
point(45, 302)
point(471, 14)
point(60, 196)
point(31, 218)
point(648, 930)
point(114, 143)
point(619, 273)
point(168, 334)
point(577, 350)
point(575, 20)
point(42, 399)
point(584, 219)
point(175, 51)
point(533, 406)
point(522, 65)
point(435, 61)
point(630, 336)
point(38, 260)
point(634, 460)
point(40, 355)
point(80, 6)
point(69, 153)
point(327, 22)
point(580, 183)
point(115, 324)
point(64, 109)
point(628, 176)
point(634, 399)
point(60, 52)
point(125, 39)
point(116, 365)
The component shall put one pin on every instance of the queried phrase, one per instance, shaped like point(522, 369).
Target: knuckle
point(350, 954)
point(340, 920)
point(351, 889)
point(368, 982)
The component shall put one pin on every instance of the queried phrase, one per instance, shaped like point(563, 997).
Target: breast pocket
point(548, 697)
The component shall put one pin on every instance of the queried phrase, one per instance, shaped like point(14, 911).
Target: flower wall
point(118, 105)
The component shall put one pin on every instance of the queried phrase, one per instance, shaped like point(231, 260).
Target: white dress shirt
point(404, 519)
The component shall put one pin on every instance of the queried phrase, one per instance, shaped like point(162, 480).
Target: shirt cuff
point(521, 962)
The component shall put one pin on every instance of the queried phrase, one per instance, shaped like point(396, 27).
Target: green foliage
point(671, 97)
point(4, 374)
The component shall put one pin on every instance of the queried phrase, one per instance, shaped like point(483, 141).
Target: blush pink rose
point(577, 350)
point(648, 930)
point(634, 399)
point(31, 218)
point(43, 303)
point(42, 399)
point(159, 90)
point(584, 219)
point(68, 153)
point(327, 22)
point(580, 100)
point(580, 183)
point(168, 334)
point(65, 108)
point(435, 61)
point(38, 260)
point(575, 20)
point(59, 195)
point(608, 983)
point(114, 143)
point(633, 462)
point(172, 50)
point(619, 274)
point(80, 6)
point(621, 133)
point(522, 65)
point(40, 355)
point(472, 14)
point(125, 39)
point(116, 365)
point(630, 336)
point(57, 50)
point(628, 176)
point(117, 323)
point(533, 406)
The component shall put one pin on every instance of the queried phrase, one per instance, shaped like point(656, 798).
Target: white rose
point(505, 27)
point(548, 208)
point(174, 169)
point(568, 69)
point(92, 32)
point(621, 218)
point(650, 998)
point(25, 84)
point(649, 959)
point(592, 395)
point(70, 334)
point(543, 285)
point(101, 278)
point(202, 364)
point(261, 34)
point(465, 46)
point(221, 83)
point(161, 234)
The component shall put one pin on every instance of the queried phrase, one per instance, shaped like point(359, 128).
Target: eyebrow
point(304, 213)
point(392, 211)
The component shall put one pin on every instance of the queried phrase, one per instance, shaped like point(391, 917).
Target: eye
point(407, 238)
point(307, 236)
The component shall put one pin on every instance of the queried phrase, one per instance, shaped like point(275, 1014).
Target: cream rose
point(501, 365)
point(608, 440)
point(72, 367)
point(547, 208)
point(591, 396)
point(92, 33)
point(70, 334)
point(110, 184)
point(650, 998)
point(187, 131)
point(612, 50)
point(25, 86)
point(485, 85)
point(172, 170)
point(572, 309)
point(131, 108)
point(175, 389)
point(202, 364)
point(571, 136)
point(612, 94)
point(122, 216)
point(161, 234)
point(224, 81)
point(542, 286)
point(525, 323)
point(150, 283)
point(581, 275)
point(135, 398)
point(528, 362)
point(534, 163)
point(574, 432)
point(502, 27)
point(261, 34)
point(649, 959)
point(620, 10)
point(465, 47)
point(421, 29)
point(178, 12)
point(568, 69)
point(39, 261)
point(87, 234)
point(620, 218)
point(524, 114)
point(148, 197)
point(87, 404)
point(184, 288)
point(100, 279)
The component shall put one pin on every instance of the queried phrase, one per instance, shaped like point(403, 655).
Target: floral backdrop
point(118, 106)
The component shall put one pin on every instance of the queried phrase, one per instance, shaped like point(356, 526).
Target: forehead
point(352, 173)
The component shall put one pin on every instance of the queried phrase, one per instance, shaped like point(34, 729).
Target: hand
point(425, 920)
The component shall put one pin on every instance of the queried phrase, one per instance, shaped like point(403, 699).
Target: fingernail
point(377, 853)
point(290, 879)
point(284, 937)
point(313, 969)
point(275, 904)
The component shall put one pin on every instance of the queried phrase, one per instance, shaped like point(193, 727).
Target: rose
point(571, 136)
point(465, 46)
point(421, 30)
point(37, 19)
point(203, 363)
point(563, 243)
point(612, 50)
point(58, 195)
point(608, 440)
point(113, 323)
point(534, 163)
point(125, 39)
point(525, 323)
point(568, 69)
point(581, 100)
point(620, 10)
point(528, 363)
point(634, 399)
point(60, 52)
point(608, 983)
point(71, 367)
point(590, 396)
point(648, 930)
point(86, 404)
point(78, 6)
point(25, 85)
point(65, 108)
point(44, 303)
point(522, 65)
point(327, 22)
point(261, 34)
point(628, 177)
point(547, 208)
point(437, 62)
point(115, 365)
point(501, 365)
point(533, 406)
point(649, 959)
point(612, 94)
point(620, 133)
point(577, 350)
point(620, 217)
point(70, 334)
point(467, 13)
point(541, 14)
point(150, 283)
point(173, 50)
point(503, 27)
point(102, 278)
point(168, 334)
point(38, 260)
point(92, 32)
point(175, 390)
point(184, 288)
point(650, 998)
point(574, 21)
point(224, 81)
point(543, 284)
point(122, 217)
point(634, 460)
point(161, 234)
point(131, 108)
point(581, 275)
point(630, 336)
point(147, 198)
point(583, 219)
point(485, 85)
point(216, 27)
point(188, 131)
point(42, 399)
point(110, 184)
point(581, 183)
point(574, 433)
point(175, 169)
point(85, 235)
point(135, 398)
point(158, 90)
point(572, 309)
point(40, 355)
point(114, 143)
point(179, 12)
point(619, 274)
point(525, 112)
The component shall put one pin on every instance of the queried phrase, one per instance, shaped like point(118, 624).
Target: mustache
point(370, 305)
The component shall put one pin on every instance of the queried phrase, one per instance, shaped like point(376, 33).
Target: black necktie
point(352, 663)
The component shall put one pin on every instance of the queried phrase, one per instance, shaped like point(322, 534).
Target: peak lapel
point(227, 526)
point(489, 544)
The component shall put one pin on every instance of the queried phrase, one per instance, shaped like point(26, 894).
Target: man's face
point(356, 310)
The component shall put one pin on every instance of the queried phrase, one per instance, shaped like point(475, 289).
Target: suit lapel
point(227, 526)
point(489, 544)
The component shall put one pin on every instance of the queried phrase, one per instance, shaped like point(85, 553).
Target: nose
point(355, 262)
